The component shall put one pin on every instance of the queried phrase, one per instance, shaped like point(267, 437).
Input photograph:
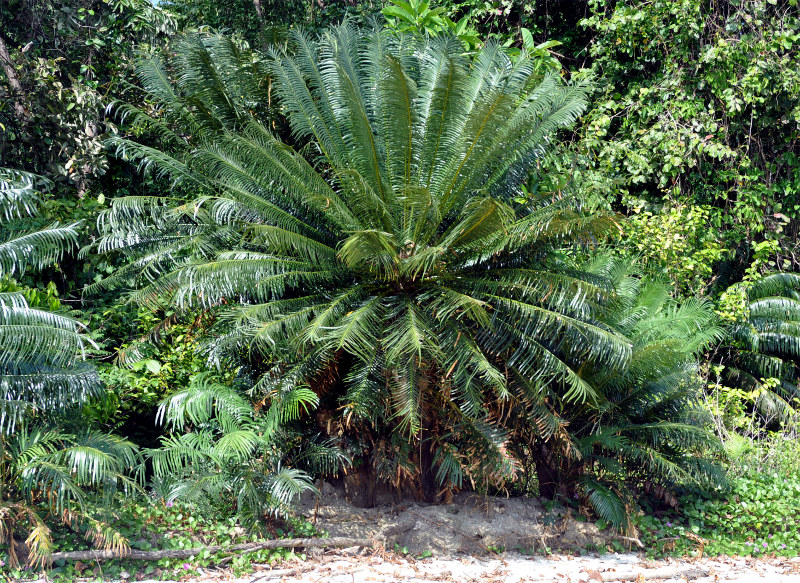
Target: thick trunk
point(546, 474)
point(427, 477)
point(13, 80)
point(360, 485)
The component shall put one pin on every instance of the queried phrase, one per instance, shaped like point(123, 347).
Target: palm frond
point(20, 194)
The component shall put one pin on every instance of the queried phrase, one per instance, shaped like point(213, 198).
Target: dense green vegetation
point(538, 248)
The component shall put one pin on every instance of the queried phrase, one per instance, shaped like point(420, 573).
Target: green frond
point(607, 503)
point(766, 346)
point(20, 194)
point(62, 466)
point(365, 389)
point(36, 249)
point(205, 399)
point(41, 362)
point(410, 336)
point(155, 162)
point(404, 386)
point(471, 371)
point(176, 452)
point(322, 457)
point(449, 472)
point(775, 308)
point(372, 251)
point(41, 337)
point(595, 341)
point(775, 284)
point(284, 486)
point(289, 405)
point(236, 445)
point(357, 332)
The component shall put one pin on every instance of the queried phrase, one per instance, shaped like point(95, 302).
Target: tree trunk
point(260, 14)
point(546, 475)
point(259, 10)
point(427, 476)
point(13, 80)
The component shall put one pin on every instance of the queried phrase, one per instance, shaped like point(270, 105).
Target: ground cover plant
point(756, 517)
point(151, 523)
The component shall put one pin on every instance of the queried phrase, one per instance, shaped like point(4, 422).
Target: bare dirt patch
point(471, 523)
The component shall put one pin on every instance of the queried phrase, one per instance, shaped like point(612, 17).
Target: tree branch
point(286, 543)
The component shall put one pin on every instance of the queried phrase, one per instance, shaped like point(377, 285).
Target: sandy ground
point(515, 568)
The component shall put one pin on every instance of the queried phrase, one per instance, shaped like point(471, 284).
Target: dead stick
point(630, 539)
point(285, 543)
point(279, 573)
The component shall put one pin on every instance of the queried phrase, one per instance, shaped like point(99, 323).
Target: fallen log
point(285, 543)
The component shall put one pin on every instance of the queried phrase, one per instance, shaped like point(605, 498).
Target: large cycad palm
point(385, 245)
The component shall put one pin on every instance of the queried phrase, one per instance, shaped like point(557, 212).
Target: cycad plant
point(20, 197)
point(42, 376)
point(763, 352)
point(373, 249)
point(40, 351)
point(648, 432)
point(221, 448)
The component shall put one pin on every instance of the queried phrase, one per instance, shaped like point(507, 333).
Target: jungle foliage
point(539, 247)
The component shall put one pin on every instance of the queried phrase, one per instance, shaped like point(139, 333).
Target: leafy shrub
point(163, 356)
point(677, 243)
point(699, 103)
